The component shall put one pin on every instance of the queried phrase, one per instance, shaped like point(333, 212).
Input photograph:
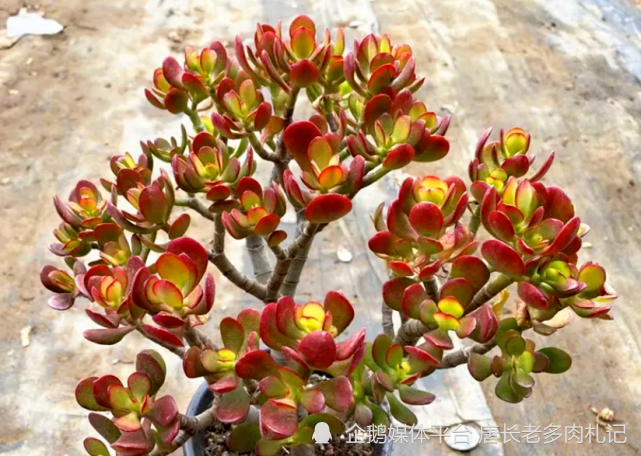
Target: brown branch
point(195, 204)
point(219, 259)
point(387, 317)
point(195, 337)
point(411, 331)
point(475, 221)
point(374, 176)
point(489, 291)
point(432, 288)
point(297, 253)
point(461, 355)
point(278, 274)
point(283, 158)
point(260, 150)
point(281, 149)
point(190, 426)
point(258, 256)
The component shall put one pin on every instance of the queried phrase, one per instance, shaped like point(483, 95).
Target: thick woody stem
point(219, 259)
point(489, 291)
point(475, 221)
point(373, 176)
point(387, 317)
point(432, 288)
point(190, 426)
point(196, 338)
point(257, 250)
point(260, 150)
point(278, 275)
point(195, 204)
point(411, 331)
point(195, 118)
point(194, 424)
point(461, 356)
point(282, 161)
point(144, 254)
point(281, 150)
point(297, 253)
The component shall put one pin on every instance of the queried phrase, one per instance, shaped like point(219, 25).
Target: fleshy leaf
point(400, 411)
point(313, 401)
point(85, 396)
point(413, 297)
point(560, 361)
point(503, 258)
point(139, 385)
point(471, 268)
point(319, 349)
point(533, 296)
point(400, 156)
point(272, 387)
point(244, 437)
point(505, 392)
point(151, 363)
point(162, 336)
point(297, 138)
point(278, 419)
point(256, 365)
point(415, 396)
point(233, 406)
point(232, 333)
point(393, 291)
point(479, 366)
point(163, 411)
point(338, 393)
point(427, 219)
point(105, 427)
point(327, 208)
point(95, 447)
point(269, 333)
point(340, 308)
point(336, 426)
point(381, 345)
point(108, 336)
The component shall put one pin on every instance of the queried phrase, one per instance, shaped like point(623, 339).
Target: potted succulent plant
point(282, 367)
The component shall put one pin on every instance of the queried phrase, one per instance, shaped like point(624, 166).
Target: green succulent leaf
point(480, 366)
point(505, 392)
point(244, 438)
point(400, 411)
point(95, 447)
point(560, 361)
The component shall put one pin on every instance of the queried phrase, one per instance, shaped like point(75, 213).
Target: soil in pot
point(217, 434)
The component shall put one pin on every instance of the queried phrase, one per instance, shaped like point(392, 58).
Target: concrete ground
point(569, 71)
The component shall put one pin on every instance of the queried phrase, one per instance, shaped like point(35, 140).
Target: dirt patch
point(218, 433)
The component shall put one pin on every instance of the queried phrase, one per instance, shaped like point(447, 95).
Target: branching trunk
point(461, 356)
point(218, 257)
point(387, 317)
point(257, 250)
point(411, 331)
point(295, 270)
point(432, 288)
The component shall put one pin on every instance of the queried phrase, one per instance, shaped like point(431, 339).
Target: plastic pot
point(203, 399)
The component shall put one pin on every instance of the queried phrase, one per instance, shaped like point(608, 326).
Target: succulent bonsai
point(127, 252)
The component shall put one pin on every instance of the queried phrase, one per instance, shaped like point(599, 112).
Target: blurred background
point(568, 71)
